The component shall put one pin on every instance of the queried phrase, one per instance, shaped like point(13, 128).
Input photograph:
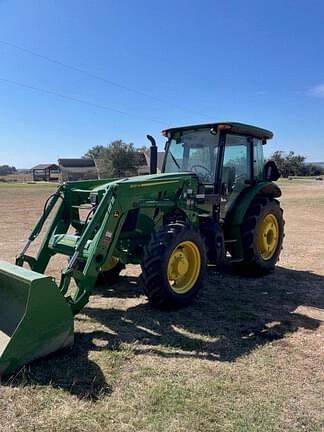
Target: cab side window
point(258, 159)
point(236, 164)
point(236, 169)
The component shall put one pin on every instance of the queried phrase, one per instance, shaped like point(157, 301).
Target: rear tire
point(173, 266)
point(262, 234)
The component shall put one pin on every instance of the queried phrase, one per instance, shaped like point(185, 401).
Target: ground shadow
point(69, 369)
point(125, 288)
point(231, 317)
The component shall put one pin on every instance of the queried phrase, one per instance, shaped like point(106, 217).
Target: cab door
point(236, 171)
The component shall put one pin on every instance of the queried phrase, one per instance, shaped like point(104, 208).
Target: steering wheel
point(239, 179)
point(194, 169)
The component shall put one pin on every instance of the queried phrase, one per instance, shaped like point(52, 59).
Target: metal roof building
point(46, 172)
point(73, 169)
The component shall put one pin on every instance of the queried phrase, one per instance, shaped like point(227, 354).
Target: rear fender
point(243, 202)
point(234, 220)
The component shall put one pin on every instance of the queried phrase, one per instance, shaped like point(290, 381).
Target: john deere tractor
point(214, 201)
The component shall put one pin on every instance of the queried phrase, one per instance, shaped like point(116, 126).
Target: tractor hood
point(147, 180)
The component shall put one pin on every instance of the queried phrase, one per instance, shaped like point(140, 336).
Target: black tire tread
point(153, 280)
point(252, 263)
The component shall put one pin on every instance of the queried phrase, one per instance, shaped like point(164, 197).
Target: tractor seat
point(65, 243)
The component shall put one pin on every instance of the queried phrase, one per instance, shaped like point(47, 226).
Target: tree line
point(7, 170)
point(291, 164)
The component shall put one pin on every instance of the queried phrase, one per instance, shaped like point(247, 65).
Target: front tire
point(173, 266)
point(262, 234)
point(109, 273)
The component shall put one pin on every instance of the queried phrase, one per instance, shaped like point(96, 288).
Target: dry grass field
point(17, 178)
point(248, 355)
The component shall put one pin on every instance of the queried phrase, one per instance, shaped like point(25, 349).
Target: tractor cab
point(226, 157)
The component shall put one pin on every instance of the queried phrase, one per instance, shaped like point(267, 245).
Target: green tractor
point(215, 200)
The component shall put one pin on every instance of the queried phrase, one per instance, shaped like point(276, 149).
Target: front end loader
point(215, 200)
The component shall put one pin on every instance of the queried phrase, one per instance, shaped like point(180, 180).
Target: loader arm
point(89, 251)
point(36, 313)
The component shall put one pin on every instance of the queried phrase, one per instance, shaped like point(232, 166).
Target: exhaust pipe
point(153, 154)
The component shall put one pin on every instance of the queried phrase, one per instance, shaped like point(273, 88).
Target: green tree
point(95, 152)
point(6, 170)
point(292, 164)
point(313, 170)
point(295, 163)
point(118, 159)
point(122, 156)
point(279, 158)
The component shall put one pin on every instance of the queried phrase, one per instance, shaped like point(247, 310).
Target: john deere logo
point(116, 214)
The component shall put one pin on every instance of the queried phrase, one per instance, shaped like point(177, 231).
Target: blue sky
point(164, 63)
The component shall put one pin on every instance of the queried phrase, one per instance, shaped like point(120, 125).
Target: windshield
point(194, 151)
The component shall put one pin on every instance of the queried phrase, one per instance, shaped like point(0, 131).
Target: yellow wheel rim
point(268, 236)
point(184, 267)
point(109, 265)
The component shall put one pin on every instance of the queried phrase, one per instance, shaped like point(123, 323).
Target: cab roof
point(240, 128)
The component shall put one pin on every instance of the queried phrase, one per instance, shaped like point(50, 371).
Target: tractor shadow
point(231, 317)
point(68, 369)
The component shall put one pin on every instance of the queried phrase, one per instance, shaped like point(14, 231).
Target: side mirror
point(270, 171)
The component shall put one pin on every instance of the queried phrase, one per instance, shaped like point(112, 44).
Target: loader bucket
point(35, 319)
